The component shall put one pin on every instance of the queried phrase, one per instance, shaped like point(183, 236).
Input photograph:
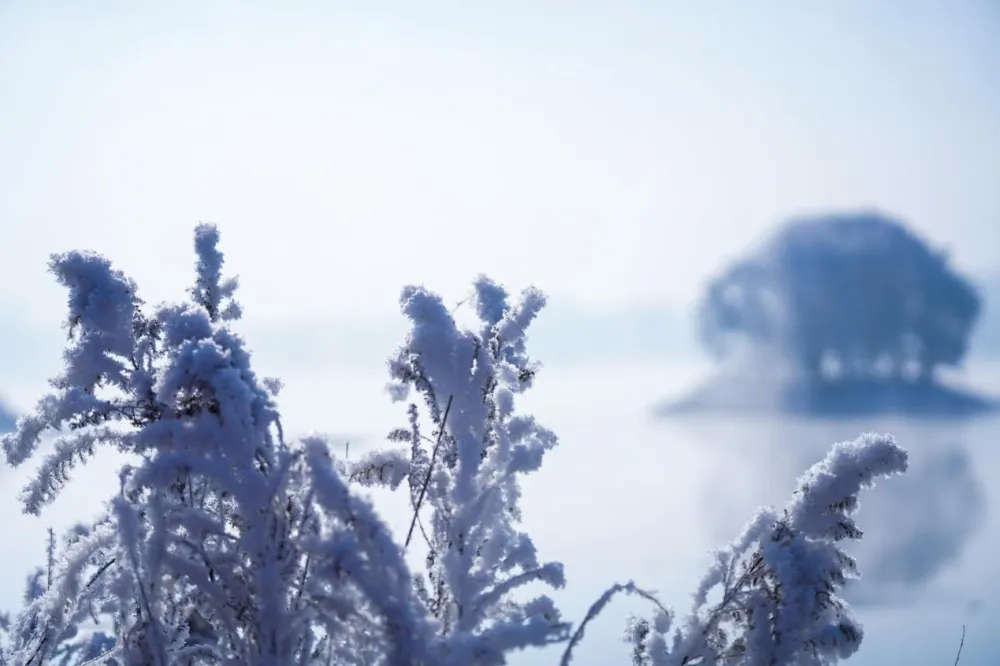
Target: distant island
point(837, 315)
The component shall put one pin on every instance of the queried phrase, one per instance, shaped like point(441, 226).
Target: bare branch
point(430, 469)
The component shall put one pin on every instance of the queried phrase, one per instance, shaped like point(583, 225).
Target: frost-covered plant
point(466, 471)
point(779, 583)
point(226, 545)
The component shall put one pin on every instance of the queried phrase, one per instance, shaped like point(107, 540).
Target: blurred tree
point(844, 296)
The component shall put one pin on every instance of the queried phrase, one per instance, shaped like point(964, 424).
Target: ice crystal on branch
point(463, 475)
point(780, 581)
point(211, 291)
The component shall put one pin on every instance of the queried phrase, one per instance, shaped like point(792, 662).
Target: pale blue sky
point(613, 153)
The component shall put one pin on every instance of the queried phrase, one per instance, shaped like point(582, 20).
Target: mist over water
point(647, 499)
point(629, 496)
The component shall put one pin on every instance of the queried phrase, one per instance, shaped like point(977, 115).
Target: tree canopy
point(844, 296)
